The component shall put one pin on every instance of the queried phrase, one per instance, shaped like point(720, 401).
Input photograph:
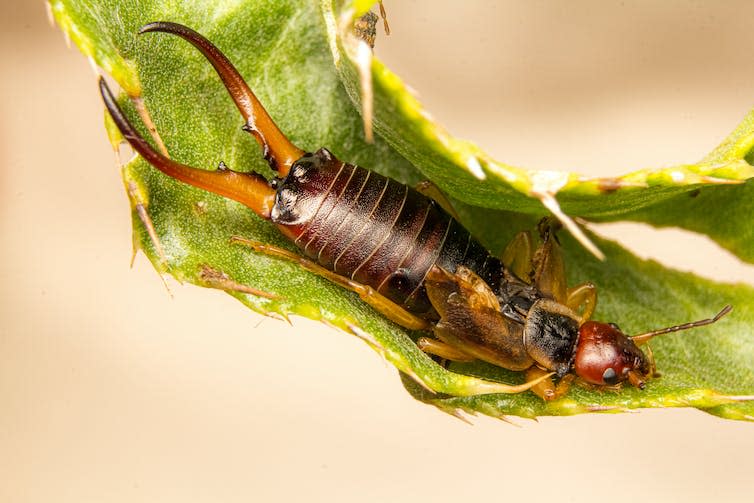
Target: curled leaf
point(299, 64)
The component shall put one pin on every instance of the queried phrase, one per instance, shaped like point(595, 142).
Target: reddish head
point(606, 356)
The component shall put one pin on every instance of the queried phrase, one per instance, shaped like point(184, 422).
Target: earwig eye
point(610, 377)
point(615, 326)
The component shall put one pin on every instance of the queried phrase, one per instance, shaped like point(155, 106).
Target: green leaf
point(296, 58)
point(463, 170)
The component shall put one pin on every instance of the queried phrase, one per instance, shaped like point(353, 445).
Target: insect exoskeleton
point(412, 261)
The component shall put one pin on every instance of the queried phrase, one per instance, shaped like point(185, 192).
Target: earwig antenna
point(279, 152)
point(643, 338)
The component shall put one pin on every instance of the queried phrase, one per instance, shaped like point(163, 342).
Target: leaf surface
point(296, 57)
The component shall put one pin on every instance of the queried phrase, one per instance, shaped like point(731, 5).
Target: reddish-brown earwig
point(414, 263)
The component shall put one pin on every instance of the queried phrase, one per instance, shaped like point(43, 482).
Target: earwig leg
point(386, 307)
point(443, 350)
point(585, 295)
point(547, 390)
point(250, 189)
point(432, 191)
point(518, 256)
point(549, 268)
point(650, 361)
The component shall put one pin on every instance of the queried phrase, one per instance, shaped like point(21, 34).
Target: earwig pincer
point(412, 261)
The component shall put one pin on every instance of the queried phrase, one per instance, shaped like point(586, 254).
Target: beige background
point(111, 390)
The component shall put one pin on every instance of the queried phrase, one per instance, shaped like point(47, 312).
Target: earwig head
point(606, 356)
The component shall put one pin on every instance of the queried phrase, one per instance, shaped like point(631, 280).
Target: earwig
point(412, 261)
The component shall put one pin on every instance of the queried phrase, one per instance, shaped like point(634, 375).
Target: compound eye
point(610, 377)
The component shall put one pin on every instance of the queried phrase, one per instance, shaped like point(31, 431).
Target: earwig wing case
point(300, 62)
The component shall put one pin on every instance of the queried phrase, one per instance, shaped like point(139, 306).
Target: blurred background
point(112, 389)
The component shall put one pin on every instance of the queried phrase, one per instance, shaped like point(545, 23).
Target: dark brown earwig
point(411, 260)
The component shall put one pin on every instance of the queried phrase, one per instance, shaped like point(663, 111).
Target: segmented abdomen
point(374, 230)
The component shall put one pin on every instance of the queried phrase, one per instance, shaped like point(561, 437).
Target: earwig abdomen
point(374, 230)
